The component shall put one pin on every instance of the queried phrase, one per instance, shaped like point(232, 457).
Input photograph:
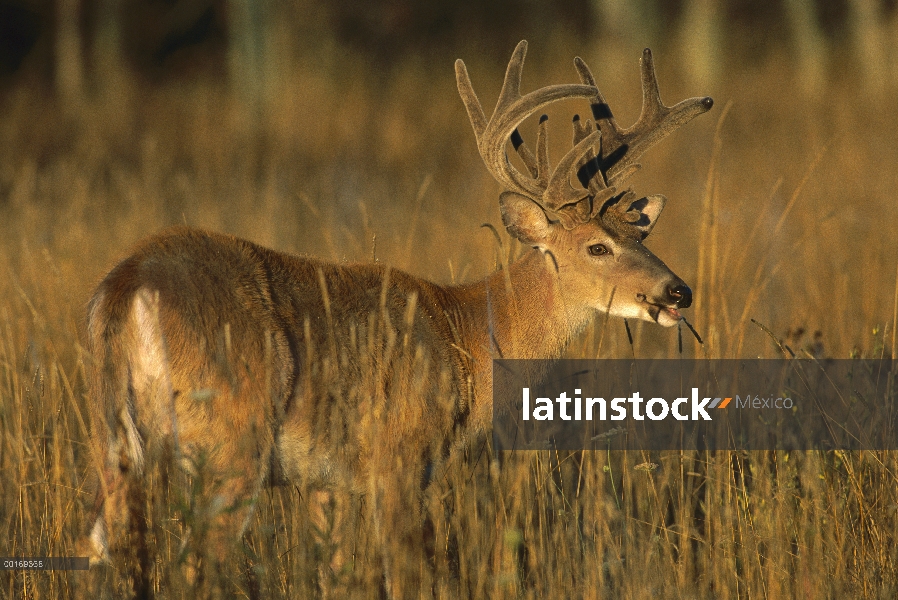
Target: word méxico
point(589, 409)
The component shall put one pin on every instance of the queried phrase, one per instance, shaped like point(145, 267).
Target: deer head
point(593, 230)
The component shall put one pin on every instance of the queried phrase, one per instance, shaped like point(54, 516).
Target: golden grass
point(782, 214)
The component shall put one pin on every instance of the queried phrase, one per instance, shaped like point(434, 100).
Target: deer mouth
point(666, 316)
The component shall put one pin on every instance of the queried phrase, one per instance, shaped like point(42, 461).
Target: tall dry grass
point(781, 212)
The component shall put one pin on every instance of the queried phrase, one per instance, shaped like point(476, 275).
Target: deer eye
point(598, 250)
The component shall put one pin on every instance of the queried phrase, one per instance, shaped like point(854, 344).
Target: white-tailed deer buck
point(240, 357)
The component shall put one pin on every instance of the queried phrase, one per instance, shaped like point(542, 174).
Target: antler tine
point(542, 151)
point(621, 148)
point(559, 192)
point(511, 109)
point(537, 165)
point(524, 152)
point(587, 171)
point(604, 120)
point(469, 97)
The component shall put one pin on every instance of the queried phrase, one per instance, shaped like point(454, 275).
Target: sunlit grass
point(778, 213)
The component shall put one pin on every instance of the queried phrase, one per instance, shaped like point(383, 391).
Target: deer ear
point(643, 213)
point(524, 218)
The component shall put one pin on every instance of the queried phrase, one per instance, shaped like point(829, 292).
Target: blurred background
point(335, 129)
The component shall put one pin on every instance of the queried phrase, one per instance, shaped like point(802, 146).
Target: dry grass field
point(781, 210)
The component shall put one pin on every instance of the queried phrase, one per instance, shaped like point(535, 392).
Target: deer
point(260, 361)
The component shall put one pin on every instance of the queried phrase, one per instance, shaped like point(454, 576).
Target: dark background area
point(167, 38)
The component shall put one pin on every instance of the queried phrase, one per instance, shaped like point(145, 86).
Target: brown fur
point(237, 323)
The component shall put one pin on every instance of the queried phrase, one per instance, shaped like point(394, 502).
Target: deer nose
point(681, 295)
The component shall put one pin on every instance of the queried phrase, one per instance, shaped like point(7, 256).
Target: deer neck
point(522, 311)
point(518, 312)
